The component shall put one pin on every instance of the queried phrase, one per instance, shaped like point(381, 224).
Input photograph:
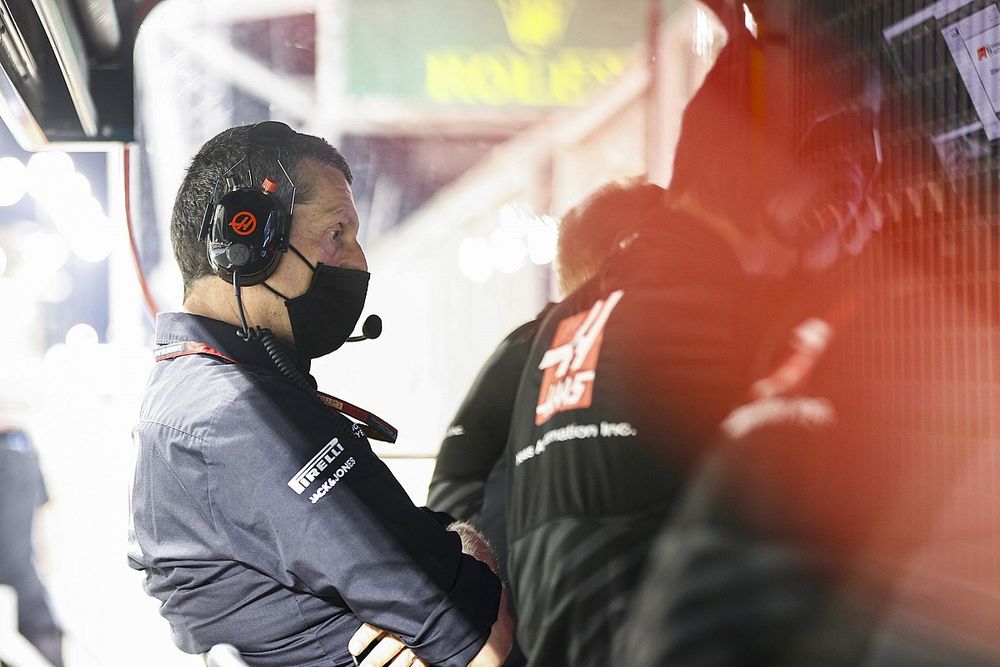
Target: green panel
point(490, 52)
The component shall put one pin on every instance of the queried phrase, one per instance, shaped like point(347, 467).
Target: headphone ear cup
point(247, 232)
point(247, 229)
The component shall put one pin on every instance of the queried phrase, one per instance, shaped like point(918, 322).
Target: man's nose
point(358, 259)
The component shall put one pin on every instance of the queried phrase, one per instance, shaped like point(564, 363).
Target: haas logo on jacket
point(570, 365)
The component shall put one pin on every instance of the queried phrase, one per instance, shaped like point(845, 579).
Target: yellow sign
point(504, 76)
point(536, 75)
point(491, 53)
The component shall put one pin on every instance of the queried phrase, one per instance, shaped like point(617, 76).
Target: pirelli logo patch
point(316, 466)
point(569, 367)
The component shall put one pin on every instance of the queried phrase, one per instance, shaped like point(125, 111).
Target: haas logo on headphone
point(244, 223)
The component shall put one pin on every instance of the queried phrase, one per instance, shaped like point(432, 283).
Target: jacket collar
point(176, 327)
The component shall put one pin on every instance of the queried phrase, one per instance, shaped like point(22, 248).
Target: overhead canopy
point(65, 70)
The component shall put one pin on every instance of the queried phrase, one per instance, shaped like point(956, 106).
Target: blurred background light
point(516, 218)
point(84, 226)
point(521, 234)
point(13, 180)
point(57, 289)
point(90, 208)
point(749, 20)
point(55, 360)
point(3, 261)
point(92, 239)
point(705, 26)
point(542, 235)
point(508, 252)
point(46, 170)
point(74, 186)
point(67, 211)
point(474, 259)
point(81, 335)
point(44, 253)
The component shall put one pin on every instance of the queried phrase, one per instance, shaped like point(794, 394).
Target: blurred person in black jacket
point(470, 476)
point(22, 493)
point(630, 375)
point(846, 512)
point(832, 525)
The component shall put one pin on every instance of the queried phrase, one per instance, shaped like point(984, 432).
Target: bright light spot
point(44, 253)
point(3, 261)
point(704, 33)
point(542, 241)
point(749, 21)
point(66, 196)
point(69, 212)
point(81, 335)
point(86, 229)
point(515, 219)
point(90, 208)
point(19, 311)
point(58, 289)
point(13, 180)
point(46, 170)
point(76, 186)
point(474, 259)
point(56, 358)
point(90, 239)
point(60, 209)
point(52, 163)
point(508, 252)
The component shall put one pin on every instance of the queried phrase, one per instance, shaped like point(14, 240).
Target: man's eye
point(335, 234)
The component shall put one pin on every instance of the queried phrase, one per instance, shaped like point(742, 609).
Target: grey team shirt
point(263, 520)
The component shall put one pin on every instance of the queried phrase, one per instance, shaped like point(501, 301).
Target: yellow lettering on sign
point(489, 79)
point(445, 78)
point(567, 79)
point(528, 79)
point(504, 76)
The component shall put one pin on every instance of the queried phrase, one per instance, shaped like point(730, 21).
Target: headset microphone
point(370, 330)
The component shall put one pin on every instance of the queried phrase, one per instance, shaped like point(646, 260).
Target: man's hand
point(497, 646)
point(385, 649)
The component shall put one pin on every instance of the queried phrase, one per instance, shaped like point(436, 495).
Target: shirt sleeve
point(477, 435)
point(299, 491)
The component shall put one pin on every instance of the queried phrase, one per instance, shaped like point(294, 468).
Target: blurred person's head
point(308, 285)
point(779, 163)
point(591, 231)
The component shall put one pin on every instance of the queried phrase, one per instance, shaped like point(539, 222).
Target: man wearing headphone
point(260, 515)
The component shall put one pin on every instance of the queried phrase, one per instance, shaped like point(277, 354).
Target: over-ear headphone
point(833, 141)
point(246, 230)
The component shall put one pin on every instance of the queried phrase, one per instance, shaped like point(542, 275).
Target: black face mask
point(325, 315)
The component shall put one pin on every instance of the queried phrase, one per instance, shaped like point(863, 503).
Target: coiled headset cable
point(279, 354)
point(282, 358)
